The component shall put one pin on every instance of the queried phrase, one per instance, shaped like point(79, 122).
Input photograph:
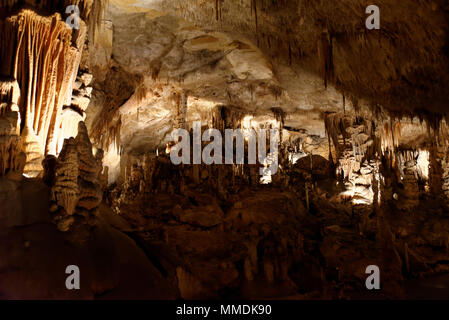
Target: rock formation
point(75, 188)
point(12, 159)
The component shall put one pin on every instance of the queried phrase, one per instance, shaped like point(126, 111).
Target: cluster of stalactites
point(390, 134)
point(88, 8)
point(346, 131)
point(229, 117)
point(224, 117)
point(361, 145)
point(91, 11)
point(106, 131)
point(39, 54)
point(386, 134)
point(439, 130)
point(357, 144)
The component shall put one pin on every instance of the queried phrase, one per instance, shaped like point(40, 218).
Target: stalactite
point(217, 9)
point(280, 116)
point(184, 99)
point(95, 15)
point(335, 126)
point(325, 57)
point(289, 53)
point(180, 101)
point(254, 9)
point(106, 131)
point(226, 118)
point(9, 93)
point(390, 135)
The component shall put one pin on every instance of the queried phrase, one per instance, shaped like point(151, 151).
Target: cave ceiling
point(306, 58)
point(403, 66)
point(302, 58)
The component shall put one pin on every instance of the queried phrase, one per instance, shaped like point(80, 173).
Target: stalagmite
point(306, 188)
point(445, 176)
point(408, 167)
point(65, 191)
point(34, 155)
point(12, 159)
point(76, 188)
point(89, 170)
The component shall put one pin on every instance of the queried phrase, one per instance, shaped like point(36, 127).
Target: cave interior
point(92, 91)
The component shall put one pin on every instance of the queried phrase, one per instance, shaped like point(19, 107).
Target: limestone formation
point(65, 190)
point(42, 54)
point(75, 189)
point(12, 157)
